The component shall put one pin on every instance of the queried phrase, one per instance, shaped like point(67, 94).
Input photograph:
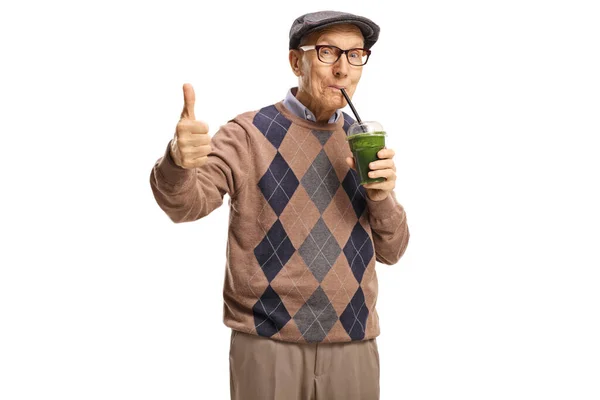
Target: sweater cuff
point(381, 209)
point(172, 173)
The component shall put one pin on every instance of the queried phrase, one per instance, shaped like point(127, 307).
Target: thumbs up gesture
point(191, 144)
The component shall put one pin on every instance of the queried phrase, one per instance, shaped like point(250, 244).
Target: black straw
point(351, 106)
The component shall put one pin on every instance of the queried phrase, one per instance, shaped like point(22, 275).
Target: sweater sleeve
point(190, 194)
point(389, 227)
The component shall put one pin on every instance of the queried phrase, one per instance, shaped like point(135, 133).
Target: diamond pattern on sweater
point(278, 184)
point(354, 318)
point(299, 148)
point(269, 313)
point(272, 124)
point(274, 251)
point(299, 217)
point(315, 205)
point(340, 285)
point(358, 251)
point(320, 250)
point(356, 192)
point(316, 317)
point(320, 181)
point(294, 283)
point(322, 136)
point(340, 217)
point(267, 217)
point(337, 149)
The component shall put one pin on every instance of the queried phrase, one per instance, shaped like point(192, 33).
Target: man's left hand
point(384, 167)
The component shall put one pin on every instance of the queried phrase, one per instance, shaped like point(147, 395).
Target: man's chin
point(340, 104)
point(336, 100)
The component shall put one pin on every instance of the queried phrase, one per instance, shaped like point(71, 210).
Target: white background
point(492, 108)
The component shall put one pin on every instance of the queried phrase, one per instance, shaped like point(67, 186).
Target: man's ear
point(295, 60)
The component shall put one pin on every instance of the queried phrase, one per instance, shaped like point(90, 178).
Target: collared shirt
point(291, 103)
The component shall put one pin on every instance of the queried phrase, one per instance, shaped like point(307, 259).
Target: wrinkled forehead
point(345, 35)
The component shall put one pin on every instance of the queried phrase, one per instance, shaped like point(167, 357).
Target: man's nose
point(341, 67)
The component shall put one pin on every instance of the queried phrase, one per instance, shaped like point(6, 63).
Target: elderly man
point(304, 235)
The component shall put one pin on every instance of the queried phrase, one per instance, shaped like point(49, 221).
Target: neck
point(321, 114)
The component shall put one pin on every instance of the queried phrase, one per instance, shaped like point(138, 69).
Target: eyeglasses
point(330, 54)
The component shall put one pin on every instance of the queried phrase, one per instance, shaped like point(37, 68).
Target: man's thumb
point(350, 162)
point(189, 99)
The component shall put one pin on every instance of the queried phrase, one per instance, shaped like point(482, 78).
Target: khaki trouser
point(266, 369)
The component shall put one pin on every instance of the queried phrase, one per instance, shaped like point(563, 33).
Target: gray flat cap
point(318, 20)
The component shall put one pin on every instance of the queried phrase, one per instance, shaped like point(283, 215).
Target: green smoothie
point(364, 147)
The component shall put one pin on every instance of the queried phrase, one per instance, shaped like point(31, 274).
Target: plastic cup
point(366, 139)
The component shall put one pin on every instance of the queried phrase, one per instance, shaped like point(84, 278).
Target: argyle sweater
point(303, 235)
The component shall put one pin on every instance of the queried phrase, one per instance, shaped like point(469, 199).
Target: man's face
point(320, 83)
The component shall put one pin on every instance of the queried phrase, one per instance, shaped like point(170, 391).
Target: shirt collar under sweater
point(291, 103)
point(318, 126)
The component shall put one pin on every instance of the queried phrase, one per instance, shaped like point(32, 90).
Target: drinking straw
point(351, 106)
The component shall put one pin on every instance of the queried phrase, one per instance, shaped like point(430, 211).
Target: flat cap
point(318, 20)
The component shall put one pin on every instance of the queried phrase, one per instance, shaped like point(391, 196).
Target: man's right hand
point(191, 144)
